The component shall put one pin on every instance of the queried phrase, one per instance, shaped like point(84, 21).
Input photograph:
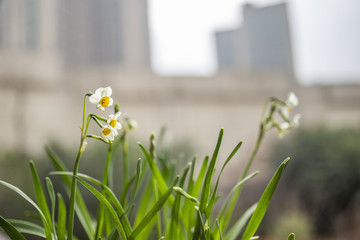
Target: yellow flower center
point(104, 102)
point(113, 123)
point(106, 131)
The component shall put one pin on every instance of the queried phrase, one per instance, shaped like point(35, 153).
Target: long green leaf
point(264, 202)
point(109, 194)
point(41, 200)
point(81, 210)
point(28, 227)
point(52, 196)
point(148, 217)
point(106, 204)
point(175, 212)
point(232, 192)
point(27, 198)
point(213, 196)
point(61, 224)
point(205, 193)
point(11, 230)
point(235, 230)
point(157, 174)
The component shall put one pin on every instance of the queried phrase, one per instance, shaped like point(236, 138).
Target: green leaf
point(218, 227)
point(157, 174)
point(11, 230)
point(235, 230)
point(213, 196)
point(291, 236)
point(52, 196)
point(28, 227)
point(264, 202)
point(205, 193)
point(106, 204)
point(61, 224)
point(232, 192)
point(41, 200)
point(148, 217)
point(81, 210)
point(27, 198)
point(110, 195)
point(175, 211)
point(207, 182)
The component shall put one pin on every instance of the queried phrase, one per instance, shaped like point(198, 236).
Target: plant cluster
point(154, 202)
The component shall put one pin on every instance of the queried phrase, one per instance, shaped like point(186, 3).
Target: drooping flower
point(108, 133)
point(102, 98)
point(295, 122)
point(291, 102)
point(283, 129)
point(113, 121)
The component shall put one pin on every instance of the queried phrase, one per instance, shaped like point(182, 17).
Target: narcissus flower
point(108, 133)
point(291, 102)
point(102, 98)
point(113, 121)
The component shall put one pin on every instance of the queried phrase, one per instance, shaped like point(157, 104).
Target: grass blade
point(109, 194)
point(157, 174)
point(81, 210)
point(264, 202)
point(148, 217)
point(106, 204)
point(52, 196)
point(41, 200)
point(28, 199)
point(10, 230)
point(28, 227)
point(61, 224)
point(235, 230)
point(213, 196)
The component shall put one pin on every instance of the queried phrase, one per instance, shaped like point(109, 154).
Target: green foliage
point(325, 173)
point(154, 200)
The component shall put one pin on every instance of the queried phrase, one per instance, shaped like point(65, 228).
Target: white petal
point(111, 102)
point(94, 99)
point(117, 115)
point(108, 91)
point(99, 91)
point(118, 126)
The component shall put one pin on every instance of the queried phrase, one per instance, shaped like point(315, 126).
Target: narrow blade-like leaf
point(264, 202)
point(10, 230)
point(148, 217)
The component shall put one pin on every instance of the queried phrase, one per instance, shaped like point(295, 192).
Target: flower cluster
point(288, 124)
point(102, 99)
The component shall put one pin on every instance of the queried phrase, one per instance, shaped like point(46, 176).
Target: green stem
point(106, 181)
point(73, 192)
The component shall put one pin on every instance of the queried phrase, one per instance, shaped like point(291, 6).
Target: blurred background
point(195, 67)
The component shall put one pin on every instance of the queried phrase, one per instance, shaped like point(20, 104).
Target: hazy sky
point(326, 36)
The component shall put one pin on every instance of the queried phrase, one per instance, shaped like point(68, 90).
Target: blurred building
point(261, 44)
point(52, 52)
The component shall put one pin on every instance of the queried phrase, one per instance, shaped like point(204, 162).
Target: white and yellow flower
point(108, 133)
point(102, 98)
point(113, 121)
point(291, 102)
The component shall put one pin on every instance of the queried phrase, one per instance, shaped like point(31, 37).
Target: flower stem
point(73, 193)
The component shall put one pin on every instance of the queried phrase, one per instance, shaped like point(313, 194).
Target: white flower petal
point(94, 99)
point(98, 92)
point(108, 91)
point(118, 126)
point(111, 102)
